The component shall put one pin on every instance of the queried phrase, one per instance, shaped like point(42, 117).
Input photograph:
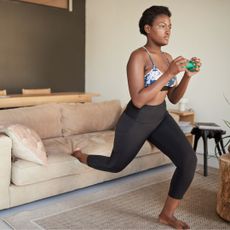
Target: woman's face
point(159, 31)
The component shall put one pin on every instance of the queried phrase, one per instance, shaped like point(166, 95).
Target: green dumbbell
point(191, 66)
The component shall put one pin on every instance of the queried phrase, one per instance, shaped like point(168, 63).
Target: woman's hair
point(150, 14)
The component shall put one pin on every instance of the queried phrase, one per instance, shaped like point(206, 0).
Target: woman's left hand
point(198, 65)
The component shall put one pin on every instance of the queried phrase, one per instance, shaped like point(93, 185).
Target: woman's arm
point(135, 73)
point(177, 92)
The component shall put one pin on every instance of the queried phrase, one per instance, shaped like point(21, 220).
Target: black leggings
point(152, 123)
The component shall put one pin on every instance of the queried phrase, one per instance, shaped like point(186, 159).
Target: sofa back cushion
point(44, 119)
point(90, 117)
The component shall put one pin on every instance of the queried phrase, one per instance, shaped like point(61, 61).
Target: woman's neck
point(153, 48)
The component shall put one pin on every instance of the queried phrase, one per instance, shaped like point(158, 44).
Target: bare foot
point(173, 222)
point(82, 157)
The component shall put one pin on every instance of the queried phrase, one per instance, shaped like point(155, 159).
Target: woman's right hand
point(177, 65)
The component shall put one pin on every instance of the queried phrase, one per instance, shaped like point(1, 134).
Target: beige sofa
point(62, 128)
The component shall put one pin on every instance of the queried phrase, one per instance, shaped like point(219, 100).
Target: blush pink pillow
point(27, 145)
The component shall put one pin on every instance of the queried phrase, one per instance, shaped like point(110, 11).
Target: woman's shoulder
point(138, 53)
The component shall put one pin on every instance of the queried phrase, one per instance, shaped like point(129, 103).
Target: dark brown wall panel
point(42, 46)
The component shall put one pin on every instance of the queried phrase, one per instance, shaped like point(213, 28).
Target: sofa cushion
point(44, 119)
point(58, 145)
point(27, 145)
point(59, 165)
point(101, 143)
point(89, 117)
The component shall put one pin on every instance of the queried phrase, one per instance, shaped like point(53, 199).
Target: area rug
point(136, 208)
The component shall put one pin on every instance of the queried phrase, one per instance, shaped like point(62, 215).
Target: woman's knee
point(116, 167)
point(193, 160)
point(190, 162)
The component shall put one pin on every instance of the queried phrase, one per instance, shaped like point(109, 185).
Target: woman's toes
point(76, 152)
point(77, 149)
point(173, 222)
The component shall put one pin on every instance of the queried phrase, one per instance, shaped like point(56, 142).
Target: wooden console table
point(188, 116)
point(20, 100)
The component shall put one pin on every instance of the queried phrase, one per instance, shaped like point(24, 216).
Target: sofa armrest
point(5, 166)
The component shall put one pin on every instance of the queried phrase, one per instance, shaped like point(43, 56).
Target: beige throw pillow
point(27, 145)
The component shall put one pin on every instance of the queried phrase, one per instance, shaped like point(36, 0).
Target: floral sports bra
point(155, 74)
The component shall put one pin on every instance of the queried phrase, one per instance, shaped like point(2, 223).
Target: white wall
point(200, 28)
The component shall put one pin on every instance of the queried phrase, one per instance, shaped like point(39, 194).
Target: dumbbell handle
point(191, 66)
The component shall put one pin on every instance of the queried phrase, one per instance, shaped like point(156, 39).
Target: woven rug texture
point(139, 209)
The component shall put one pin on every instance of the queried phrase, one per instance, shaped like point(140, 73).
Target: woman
point(151, 77)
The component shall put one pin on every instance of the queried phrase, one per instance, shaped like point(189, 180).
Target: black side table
point(205, 134)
